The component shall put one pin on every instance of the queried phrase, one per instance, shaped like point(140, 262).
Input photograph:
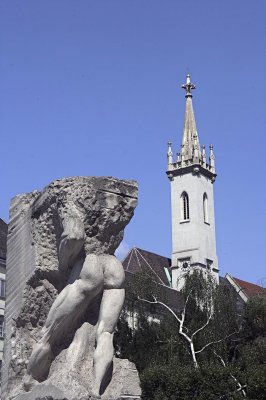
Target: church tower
point(192, 202)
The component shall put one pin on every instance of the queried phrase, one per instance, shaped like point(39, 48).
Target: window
point(205, 208)
point(2, 288)
point(184, 207)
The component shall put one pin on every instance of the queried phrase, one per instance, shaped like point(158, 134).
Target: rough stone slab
point(72, 370)
point(54, 394)
point(43, 392)
point(34, 278)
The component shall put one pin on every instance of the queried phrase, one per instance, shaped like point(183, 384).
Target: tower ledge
point(179, 168)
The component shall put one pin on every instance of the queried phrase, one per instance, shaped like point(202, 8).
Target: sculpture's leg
point(67, 307)
point(111, 306)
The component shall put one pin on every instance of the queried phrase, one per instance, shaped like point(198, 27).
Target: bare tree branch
point(214, 342)
point(183, 315)
point(203, 326)
point(188, 296)
point(162, 304)
point(181, 323)
point(240, 387)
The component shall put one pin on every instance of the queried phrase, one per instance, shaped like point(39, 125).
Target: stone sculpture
point(73, 291)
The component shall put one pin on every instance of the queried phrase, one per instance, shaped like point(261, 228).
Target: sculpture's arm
point(72, 240)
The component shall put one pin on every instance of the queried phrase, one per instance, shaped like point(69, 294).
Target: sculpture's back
point(54, 238)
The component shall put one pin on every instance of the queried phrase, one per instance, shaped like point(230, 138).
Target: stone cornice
point(195, 169)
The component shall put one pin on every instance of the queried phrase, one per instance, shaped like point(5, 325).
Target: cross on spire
point(188, 86)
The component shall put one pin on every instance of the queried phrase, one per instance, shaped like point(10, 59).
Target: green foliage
point(205, 298)
point(256, 382)
point(151, 343)
point(163, 357)
point(252, 353)
point(215, 306)
point(255, 317)
point(159, 382)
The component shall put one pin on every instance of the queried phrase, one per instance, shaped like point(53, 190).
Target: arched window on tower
point(205, 208)
point(184, 206)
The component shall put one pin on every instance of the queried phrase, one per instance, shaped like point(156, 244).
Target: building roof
point(250, 289)
point(245, 290)
point(158, 267)
point(172, 297)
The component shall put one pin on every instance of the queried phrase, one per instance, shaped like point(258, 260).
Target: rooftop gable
point(158, 267)
point(244, 289)
point(249, 288)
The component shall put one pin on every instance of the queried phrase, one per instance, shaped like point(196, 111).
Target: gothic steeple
point(190, 141)
point(191, 157)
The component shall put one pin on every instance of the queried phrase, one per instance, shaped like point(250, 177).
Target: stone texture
point(34, 279)
point(76, 362)
point(70, 375)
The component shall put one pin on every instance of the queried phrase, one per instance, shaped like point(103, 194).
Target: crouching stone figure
point(75, 225)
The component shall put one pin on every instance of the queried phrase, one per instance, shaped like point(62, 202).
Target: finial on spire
point(170, 153)
point(196, 150)
point(212, 159)
point(203, 152)
point(188, 86)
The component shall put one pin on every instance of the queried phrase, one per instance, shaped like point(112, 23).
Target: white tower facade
point(192, 202)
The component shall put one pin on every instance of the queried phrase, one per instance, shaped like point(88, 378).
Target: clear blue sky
point(93, 88)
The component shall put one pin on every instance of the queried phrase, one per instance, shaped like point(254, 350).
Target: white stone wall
point(194, 239)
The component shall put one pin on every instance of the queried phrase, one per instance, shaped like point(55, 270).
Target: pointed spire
point(191, 156)
point(190, 139)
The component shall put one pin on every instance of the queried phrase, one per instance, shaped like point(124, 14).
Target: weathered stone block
point(61, 243)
